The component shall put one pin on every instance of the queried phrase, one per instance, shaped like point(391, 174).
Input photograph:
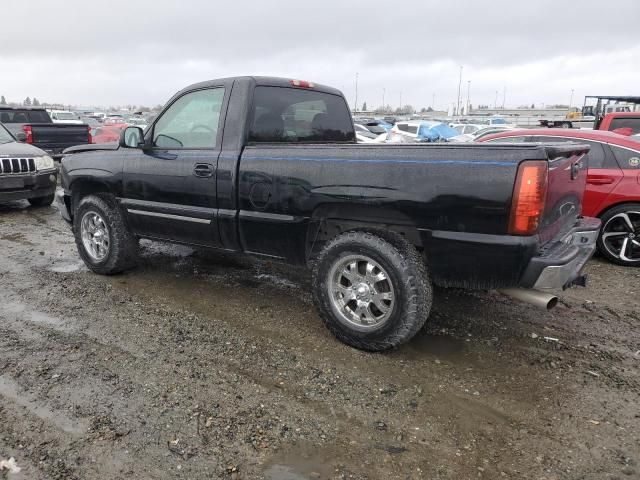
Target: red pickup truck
point(624, 123)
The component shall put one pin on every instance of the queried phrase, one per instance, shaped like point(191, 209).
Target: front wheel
point(372, 290)
point(104, 242)
point(619, 239)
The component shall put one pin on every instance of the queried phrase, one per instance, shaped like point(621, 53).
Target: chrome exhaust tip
point(532, 297)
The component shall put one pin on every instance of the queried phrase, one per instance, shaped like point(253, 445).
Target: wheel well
point(81, 188)
point(615, 205)
point(325, 225)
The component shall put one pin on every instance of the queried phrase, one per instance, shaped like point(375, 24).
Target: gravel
point(204, 365)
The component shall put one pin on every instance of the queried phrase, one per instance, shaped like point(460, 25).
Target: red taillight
point(302, 84)
point(529, 197)
point(90, 138)
point(28, 132)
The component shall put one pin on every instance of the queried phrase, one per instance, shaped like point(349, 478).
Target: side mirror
point(21, 137)
point(132, 137)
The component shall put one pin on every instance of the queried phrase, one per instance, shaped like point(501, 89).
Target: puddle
point(12, 391)
point(21, 312)
point(17, 238)
point(305, 462)
point(283, 472)
point(276, 280)
point(443, 347)
point(67, 267)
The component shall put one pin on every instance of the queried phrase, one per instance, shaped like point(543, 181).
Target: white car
point(64, 116)
point(466, 128)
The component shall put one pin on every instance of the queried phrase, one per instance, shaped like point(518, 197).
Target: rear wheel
point(372, 290)
point(104, 242)
point(619, 239)
point(41, 201)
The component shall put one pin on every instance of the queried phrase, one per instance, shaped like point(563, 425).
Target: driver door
point(170, 189)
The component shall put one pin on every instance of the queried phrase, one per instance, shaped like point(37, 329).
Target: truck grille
point(17, 165)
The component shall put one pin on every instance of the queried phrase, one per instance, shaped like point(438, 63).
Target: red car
point(106, 134)
point(613, 185)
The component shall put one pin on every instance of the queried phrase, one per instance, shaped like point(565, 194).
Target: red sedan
point(106, 134)
point(613, 185)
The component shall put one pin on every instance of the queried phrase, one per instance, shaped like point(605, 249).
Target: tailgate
point(567, 182)
point(59, 135)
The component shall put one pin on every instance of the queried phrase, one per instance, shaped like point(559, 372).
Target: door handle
point(203, 170)
point(600, 180)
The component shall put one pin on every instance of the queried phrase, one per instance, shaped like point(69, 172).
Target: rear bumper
point(560, 264)
point(23, 187)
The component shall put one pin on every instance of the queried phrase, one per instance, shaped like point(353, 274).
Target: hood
point(14, 149)
point(91, 147)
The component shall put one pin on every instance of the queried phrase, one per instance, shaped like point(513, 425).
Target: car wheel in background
point(619, 239)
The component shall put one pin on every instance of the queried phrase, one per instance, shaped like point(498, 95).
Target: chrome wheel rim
point(361, 292)
point(621, 236)
point(95, 236)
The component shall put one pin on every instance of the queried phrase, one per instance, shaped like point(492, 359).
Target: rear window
point(626, 158)
point(598, 156)
point(24, 116)
point(290, 115)
point(628, 122)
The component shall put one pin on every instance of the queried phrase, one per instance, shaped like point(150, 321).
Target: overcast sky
point(116, 52)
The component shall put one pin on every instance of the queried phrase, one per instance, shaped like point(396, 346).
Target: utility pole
point(457, 112)
point(468, 91)
point(355, 107)
point(571, 99)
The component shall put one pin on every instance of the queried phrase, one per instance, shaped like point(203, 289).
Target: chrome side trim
point(168, 215)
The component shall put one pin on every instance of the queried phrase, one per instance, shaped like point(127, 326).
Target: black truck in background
point(269, 167)
point(34, 126)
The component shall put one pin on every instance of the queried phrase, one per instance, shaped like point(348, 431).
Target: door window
point(191, 121)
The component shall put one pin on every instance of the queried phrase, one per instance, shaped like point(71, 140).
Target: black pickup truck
point(33, 125)
point(270, 167)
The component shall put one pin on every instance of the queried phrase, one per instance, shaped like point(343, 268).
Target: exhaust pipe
point(534, 297)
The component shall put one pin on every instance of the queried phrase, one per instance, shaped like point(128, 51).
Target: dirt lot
point(198, 365)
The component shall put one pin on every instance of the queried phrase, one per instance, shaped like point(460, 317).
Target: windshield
point(5, 136)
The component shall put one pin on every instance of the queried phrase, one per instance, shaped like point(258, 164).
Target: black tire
point(122, 251)
point(611, 222)
point(41, 201)
point(406, 272)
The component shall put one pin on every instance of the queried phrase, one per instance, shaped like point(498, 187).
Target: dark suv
point(26, 172)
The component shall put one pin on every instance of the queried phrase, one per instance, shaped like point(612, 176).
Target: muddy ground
point(202, 366)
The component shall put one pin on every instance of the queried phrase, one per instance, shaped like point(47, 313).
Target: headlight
point(43, 163)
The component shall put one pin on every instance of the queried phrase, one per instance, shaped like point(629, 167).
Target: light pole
point(400, 102)
point(495, 102)
point(571, 99)
point(355, 108)
point(468, 91)
point(459, 86)
point(433, 102)
point(384, 90)
point(504, 96)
